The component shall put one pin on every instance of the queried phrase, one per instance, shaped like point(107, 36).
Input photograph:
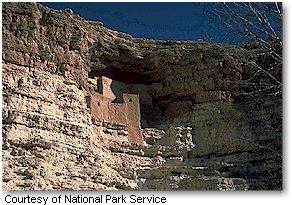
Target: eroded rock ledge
point(186, 127)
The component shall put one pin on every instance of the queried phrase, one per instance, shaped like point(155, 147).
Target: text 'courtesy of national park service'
point(77, 199)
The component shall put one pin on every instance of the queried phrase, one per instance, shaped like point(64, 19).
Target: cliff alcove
point(88, 108)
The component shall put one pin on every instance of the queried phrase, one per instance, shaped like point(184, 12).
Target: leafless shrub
point(258, 26)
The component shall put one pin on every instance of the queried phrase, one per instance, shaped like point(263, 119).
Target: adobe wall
point(133, 118)
point(127, 112)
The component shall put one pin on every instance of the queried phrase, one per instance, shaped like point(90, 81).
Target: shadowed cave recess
point(88, 108)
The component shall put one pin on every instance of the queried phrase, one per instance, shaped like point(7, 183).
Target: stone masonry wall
point(53, 134)
point(50, 141)
point(127, 112)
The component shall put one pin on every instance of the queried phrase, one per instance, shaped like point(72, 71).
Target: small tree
point(258, 23)
point(258, 26)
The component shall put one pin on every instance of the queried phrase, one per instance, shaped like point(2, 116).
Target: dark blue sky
point(166, 21)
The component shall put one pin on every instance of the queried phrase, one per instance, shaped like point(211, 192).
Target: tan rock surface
point(48, 137)
point(187, 90)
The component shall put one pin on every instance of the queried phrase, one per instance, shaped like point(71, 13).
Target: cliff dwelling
point(121, 109)
point(88, 108)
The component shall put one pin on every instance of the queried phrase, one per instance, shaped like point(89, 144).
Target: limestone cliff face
point(199, 131)
point(49, 140)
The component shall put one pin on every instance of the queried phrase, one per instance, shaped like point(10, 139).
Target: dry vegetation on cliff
point(204, 128)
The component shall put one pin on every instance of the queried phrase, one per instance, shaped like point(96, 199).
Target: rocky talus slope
point(201, 131)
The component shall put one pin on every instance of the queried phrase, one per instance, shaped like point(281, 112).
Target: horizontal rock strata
point(198, 128)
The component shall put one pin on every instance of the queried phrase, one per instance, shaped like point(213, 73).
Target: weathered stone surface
point(152, 135)
point(49, 139)
point(57, 136)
